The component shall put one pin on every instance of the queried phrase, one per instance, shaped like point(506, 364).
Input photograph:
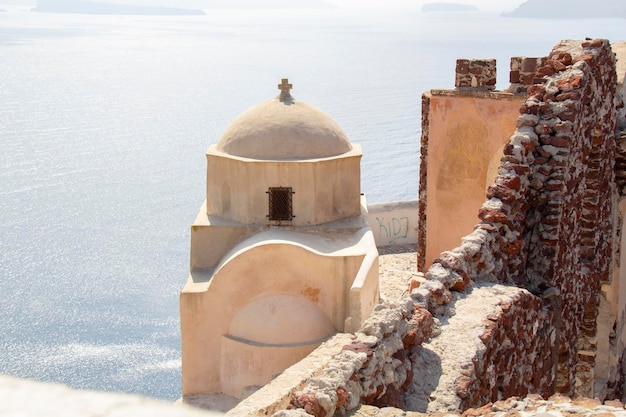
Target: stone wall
point(532, 267)
point(546, 226)
point(569, 221)
point(475, 73)
point(481, 349)
point(531, 406)
point(523, 73)
point(518, 357)
point(373, 368)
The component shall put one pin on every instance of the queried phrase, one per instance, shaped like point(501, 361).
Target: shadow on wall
point(427, 367)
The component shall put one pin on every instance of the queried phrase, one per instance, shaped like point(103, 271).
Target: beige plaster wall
point(325, 189)
point(277, 395)
point(619, 48)
point(213, 237)
point(364, 293)
point(245, 364)
point(466, 133)
point(394, 223)
point(209, 304)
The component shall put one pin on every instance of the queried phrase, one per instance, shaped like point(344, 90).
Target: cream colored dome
point(284, 128)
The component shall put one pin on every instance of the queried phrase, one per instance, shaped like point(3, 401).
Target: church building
point(282, 255)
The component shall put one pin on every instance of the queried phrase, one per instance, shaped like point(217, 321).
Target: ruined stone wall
point(523, 73)
point(374, 367)
point(546, 225)
point(475, 73)
point(568, 237)
point(518, 357)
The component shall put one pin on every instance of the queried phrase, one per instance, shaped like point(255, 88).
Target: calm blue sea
point(104, 121)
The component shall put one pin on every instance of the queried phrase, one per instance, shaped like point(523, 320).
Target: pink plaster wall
point(466, 131)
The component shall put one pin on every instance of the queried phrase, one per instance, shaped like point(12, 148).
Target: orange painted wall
point(466, 136)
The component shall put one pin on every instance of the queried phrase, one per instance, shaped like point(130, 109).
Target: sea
point(104, 124)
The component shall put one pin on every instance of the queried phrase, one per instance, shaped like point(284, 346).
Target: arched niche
point(262, 274)
point(267, 336)
point(281, 320)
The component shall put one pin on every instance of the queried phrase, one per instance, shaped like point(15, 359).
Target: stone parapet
point(545, 223)
point(523, 73)
point(475, 73)
point(373, 366)
point(482, 350)
point(374, 369)
point(512, 362)
point(531, 406)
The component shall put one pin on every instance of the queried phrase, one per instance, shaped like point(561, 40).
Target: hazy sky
point(500, 5)
point(485, 5)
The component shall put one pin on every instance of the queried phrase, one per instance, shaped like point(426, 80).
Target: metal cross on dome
point(285, 88)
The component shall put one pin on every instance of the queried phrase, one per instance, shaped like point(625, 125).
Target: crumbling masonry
point(547, 227)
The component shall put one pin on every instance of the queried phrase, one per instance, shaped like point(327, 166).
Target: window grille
point(280, 204)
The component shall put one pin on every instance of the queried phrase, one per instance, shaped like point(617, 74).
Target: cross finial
point(284, 88)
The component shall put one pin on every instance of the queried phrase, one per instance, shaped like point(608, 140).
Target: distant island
point(448, 7)
point(92, 7)
point(570, 9)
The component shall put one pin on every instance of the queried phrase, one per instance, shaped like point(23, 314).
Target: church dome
point(284, 129)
